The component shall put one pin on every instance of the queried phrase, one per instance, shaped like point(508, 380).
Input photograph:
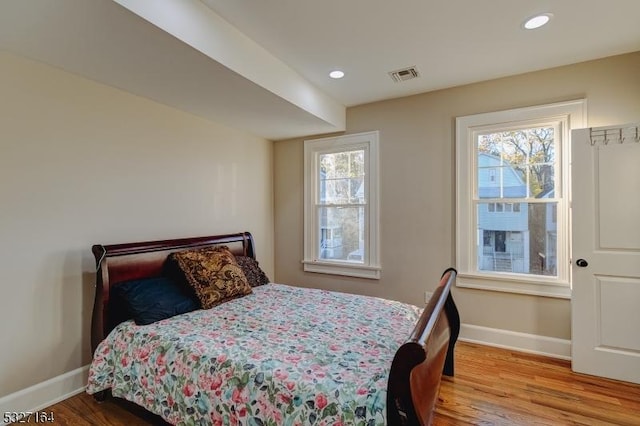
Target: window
point(341, 205)
point(512, 224)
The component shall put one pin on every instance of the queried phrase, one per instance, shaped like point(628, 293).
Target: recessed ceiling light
point(336, 74)
point(537, 21)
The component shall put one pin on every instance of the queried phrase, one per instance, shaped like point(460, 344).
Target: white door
point(605, 301)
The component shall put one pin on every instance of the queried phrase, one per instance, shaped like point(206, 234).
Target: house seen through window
point(342, 205)
point(517, 165)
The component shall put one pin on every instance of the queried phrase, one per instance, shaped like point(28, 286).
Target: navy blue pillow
point(153, 299)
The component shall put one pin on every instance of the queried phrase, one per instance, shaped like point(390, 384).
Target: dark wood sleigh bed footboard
point(415, 373)
point(414, 379)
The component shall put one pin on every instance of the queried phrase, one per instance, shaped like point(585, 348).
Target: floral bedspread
point(280, 356)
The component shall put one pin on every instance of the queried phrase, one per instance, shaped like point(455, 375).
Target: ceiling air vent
point(404, 74)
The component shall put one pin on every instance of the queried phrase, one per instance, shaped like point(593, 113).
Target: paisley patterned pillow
point(251, 268)
point(213, 273)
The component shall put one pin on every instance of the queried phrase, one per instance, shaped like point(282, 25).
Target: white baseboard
point(523, 342)
point(45, 394)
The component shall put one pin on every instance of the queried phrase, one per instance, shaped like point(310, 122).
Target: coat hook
point(591, 138)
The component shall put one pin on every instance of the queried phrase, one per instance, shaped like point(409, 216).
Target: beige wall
point(82, 163)
point(418, 189)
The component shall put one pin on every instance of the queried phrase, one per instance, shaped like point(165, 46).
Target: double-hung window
point(512, 224)
point(341, 226)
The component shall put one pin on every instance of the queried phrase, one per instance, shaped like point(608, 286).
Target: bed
point(279, 355)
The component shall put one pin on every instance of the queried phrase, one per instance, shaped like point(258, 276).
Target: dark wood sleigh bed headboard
point(118, 263)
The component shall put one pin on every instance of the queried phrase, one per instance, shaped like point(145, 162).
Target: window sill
point(508, 284)
point(342, 268)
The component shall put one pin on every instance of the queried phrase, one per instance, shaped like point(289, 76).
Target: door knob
point(582, 263)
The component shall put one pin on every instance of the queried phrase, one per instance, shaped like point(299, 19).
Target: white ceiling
point(262, 66)
point(451, 42)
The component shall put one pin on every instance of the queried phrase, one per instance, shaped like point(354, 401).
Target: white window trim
point(370, 268)
point(570, 115)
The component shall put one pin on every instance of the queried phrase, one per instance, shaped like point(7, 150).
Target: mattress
point(281, 356)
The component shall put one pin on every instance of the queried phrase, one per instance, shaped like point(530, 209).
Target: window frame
point(370, 267)
point(566, 116)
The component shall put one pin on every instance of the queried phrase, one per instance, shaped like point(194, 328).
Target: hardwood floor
point(491, 387)
point(500, 387)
